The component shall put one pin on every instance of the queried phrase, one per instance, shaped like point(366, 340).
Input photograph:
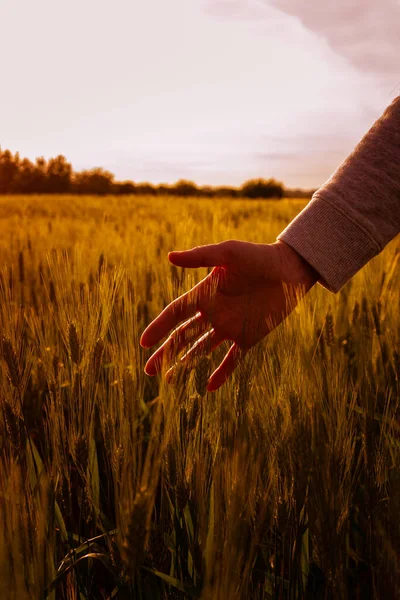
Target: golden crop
point(283, 484)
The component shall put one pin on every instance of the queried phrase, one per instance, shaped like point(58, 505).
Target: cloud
point(366, 32)
point(238, 10)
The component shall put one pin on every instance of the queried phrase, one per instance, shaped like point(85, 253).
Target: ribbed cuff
point(330, 242)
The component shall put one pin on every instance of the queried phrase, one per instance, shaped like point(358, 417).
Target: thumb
point(211, 255)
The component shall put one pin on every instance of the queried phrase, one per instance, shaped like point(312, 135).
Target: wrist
point(295, 269)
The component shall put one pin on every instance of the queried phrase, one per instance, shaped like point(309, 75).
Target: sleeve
point(356, 213)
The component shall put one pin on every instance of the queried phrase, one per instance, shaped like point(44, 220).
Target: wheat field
point(284, 484)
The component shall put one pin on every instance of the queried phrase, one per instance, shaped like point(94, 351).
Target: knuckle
point(228, 249)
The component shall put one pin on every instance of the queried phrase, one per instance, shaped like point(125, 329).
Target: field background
point(282, 484)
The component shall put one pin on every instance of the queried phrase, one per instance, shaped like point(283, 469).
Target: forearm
point(352, 217)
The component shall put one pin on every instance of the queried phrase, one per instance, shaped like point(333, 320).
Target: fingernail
point(150, 370)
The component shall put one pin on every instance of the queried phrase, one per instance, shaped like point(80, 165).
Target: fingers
point(187, 305)
point(211, 255)
point(205, 345)
point(232, 359)
point(179, 310)
point(179, 339)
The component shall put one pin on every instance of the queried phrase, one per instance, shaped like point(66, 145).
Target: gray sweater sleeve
point(352, 217)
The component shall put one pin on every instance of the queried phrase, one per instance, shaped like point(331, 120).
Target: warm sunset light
point(215, 91)
point(199, 300)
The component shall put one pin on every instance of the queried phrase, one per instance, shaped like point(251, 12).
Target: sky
point(215, 91)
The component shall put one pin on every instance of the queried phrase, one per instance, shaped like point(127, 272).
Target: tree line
point(56, 176)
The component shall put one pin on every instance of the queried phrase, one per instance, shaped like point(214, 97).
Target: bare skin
point(251, 290)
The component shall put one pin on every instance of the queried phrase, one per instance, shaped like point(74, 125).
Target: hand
point(252, 289)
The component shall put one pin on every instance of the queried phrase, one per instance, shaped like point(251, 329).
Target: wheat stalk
point(12, 362)
point(14, 425)
point(81, 452)
point(136, 537)
point(329, 330)
point(74, 345)
point(21, 268)
point(202, 373)
point(98, 353)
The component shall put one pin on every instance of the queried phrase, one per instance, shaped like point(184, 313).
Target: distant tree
point(125, 187)
point(59, 175)
point(39, 176)
point(146, 189)
point(25, 177)
point(227, 192)
point(206, 191)
point(184, 188)
point(8, 171)
point(299, 193)
point(163, 189)
point(56, 176)
point(93, 181)
point(262, 188)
